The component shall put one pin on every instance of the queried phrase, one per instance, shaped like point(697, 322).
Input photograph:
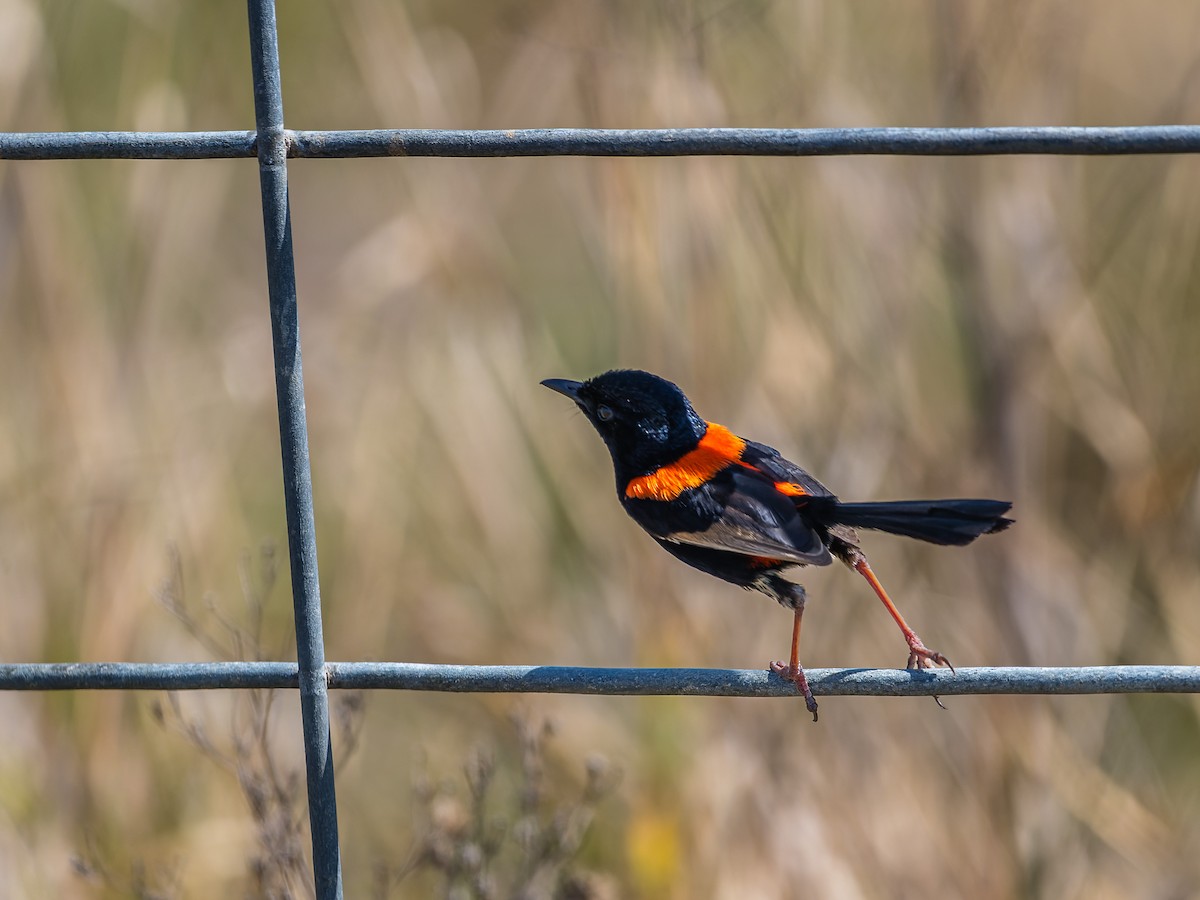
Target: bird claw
point(921, 657)
point(796, 677)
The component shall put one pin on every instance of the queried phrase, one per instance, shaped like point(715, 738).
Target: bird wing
point(806, 492)
point(782, 471)
point(756, 519)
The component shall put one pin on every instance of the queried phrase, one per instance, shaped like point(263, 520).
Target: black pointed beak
point(564, 386)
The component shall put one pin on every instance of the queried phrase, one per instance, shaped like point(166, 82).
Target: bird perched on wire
point(738, 510)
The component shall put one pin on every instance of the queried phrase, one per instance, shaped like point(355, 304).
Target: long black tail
point(954, 522)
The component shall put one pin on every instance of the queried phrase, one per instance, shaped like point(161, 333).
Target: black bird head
point(645, 421)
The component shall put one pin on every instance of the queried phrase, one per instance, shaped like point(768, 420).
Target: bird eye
point(604, 413)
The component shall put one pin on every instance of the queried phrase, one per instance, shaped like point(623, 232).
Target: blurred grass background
point(1017, 327)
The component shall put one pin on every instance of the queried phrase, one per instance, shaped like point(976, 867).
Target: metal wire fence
point(588, 680)
point(273, 145)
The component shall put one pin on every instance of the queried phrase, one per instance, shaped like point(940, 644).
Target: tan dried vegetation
point(1024, 327)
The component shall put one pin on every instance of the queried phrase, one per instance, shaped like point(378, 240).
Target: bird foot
point(795, 674)
point(921, 657)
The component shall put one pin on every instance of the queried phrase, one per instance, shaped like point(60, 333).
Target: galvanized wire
point(1143, 139)
point(749, 142)
point(621, 682)
point(271, 144)
point(128, 145)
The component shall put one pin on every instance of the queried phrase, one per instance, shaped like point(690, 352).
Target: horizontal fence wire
point(1143, 139)
point(619, 682)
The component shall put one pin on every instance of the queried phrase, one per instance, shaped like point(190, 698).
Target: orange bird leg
point(793, 672)
point(919, 656)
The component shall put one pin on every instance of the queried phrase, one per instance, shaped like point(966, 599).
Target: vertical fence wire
point(293, 434)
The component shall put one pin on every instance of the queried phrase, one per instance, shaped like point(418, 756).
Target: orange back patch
point(790, 488)
point(718, 449)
